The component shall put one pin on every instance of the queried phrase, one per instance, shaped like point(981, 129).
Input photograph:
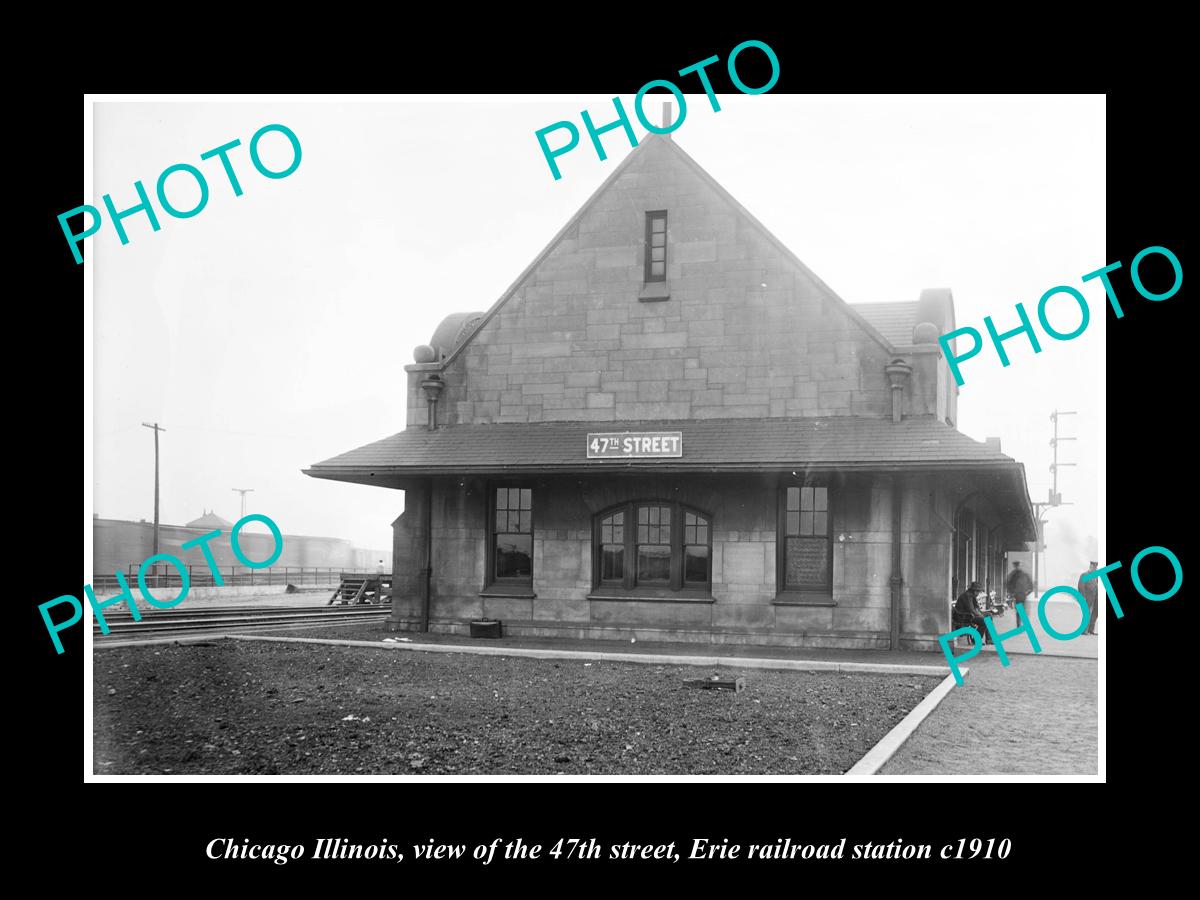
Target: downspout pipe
point(427, 579)
point(896, 580)
point(897, 372)
point(433, 387)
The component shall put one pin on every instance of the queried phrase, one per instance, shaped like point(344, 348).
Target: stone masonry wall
point(744, 334)
point(743, 511)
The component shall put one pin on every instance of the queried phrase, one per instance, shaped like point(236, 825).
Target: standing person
point(1020, 586)
point(1089, 591)
point(967, 611)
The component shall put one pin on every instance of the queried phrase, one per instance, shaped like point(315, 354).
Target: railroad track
point(157, 622)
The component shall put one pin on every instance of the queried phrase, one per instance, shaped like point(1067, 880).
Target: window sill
point(652, 595)
point(653, 291)
point(803, 598)
point(510, 591)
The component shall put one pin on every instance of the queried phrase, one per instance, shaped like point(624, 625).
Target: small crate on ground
point(716, 683)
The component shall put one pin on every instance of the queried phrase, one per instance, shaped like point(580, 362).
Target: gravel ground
point(248, 708)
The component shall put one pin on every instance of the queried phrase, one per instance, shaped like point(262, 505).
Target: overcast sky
point(270, 331)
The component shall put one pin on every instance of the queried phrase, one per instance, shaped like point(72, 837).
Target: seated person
point(967, 611)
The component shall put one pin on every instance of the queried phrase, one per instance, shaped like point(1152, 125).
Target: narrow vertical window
point(656, 245)
point(695, 550)
point(654, 545)
point(612, 548)
point(512, 550)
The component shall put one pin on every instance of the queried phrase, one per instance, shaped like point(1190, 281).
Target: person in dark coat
point(1089, 590)
point(1020, 585)
point(967, 611)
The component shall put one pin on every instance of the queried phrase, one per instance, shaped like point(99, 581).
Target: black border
point(1074, 830)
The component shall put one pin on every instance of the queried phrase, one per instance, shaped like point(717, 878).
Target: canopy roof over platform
point(836, 443)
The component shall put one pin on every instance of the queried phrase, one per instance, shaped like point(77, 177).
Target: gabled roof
point(664, 141)
point(209, 520)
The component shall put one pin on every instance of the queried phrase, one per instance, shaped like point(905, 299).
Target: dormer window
point(656, 245)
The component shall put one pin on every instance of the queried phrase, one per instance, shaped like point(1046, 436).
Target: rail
point(236, 619)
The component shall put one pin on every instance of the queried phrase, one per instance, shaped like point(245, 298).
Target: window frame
point(825, 590)
point(492, 578)
point(628, 583)
point(652, 216)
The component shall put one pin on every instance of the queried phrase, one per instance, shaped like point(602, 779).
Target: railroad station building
point(669, 428)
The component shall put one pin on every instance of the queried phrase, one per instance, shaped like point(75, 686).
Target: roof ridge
point(722, 193)
point(554, 242)
point(780, 245)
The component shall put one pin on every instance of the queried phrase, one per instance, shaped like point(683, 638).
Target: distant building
point(209, 521)
point(670, 428)
point(118, 544)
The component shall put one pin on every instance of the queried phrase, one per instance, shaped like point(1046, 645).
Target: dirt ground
point(228, 707)
point(1038, 716)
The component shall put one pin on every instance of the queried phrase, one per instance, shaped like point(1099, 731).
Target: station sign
point(635, 445)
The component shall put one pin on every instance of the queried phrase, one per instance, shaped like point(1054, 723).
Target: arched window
point(653, 544)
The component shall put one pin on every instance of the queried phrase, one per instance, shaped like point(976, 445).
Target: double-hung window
point(805, 548)
point(656, 245)
point(511, 538)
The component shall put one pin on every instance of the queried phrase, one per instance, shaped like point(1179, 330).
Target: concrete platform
point(680, 649)
point(670, 652)
point(707, 659)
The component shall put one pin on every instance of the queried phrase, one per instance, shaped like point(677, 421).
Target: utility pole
point(244, 492)
point(157, 428)
point(1055, 498)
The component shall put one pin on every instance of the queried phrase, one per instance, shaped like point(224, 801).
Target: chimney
point(897, 373)
point(993, 443)
point(667, 115)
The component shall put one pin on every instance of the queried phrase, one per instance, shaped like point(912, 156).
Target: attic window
point(656, 245)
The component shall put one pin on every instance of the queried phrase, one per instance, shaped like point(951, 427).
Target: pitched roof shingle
point(708, 445)
point(895, 321)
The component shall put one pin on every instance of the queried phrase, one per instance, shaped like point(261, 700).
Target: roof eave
point(365, 474)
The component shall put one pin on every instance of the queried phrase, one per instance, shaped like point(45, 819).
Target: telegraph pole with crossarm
point(1055, 498)
point(243, 492)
